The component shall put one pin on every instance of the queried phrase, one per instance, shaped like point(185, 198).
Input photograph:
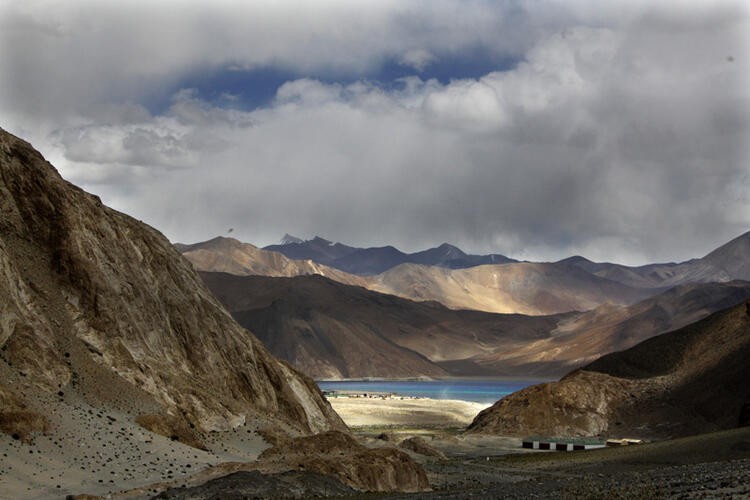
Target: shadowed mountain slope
point(100, 306)
point(582, 338)
point(327, 329)
point(330, 330)
point(688, 381)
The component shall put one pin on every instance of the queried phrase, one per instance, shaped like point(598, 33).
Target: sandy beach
point(396, 411)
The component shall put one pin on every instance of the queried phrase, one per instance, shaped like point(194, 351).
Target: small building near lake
point(562, 444)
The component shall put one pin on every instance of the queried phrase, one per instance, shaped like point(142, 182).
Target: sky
point(538, 129)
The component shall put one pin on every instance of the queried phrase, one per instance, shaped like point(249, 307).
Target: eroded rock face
point(689, 381)
point(82, 285)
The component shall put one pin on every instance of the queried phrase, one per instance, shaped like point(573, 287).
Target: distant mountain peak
point(448, 246)
point(289, 239)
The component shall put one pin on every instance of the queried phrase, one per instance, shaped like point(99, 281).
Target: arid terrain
point(499, 285)
point(330, 330)
point(120, 369)
point(689, 381)
point(123, 375)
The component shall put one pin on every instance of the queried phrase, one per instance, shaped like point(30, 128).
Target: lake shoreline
point(474, 390)
point(439, 379)
point(404, 412)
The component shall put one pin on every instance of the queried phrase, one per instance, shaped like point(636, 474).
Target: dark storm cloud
point(620, 135)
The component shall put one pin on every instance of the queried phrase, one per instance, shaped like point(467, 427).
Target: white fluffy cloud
point(621, 135)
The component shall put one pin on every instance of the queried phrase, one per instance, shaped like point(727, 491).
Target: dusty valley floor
point(78, 457)
point(708, 466)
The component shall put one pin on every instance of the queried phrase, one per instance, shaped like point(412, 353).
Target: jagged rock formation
point(95, 302)
point(688, 381)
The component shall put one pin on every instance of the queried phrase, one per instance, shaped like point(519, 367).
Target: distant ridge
point(376, 260)
point(288, 239)
point(446, 275)
point(728, 262)
point(229, 255)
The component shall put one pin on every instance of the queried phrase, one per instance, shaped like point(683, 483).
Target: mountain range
point(517, 287)
point(376, 260)
point(725, 263)
point(330, 330)
point(228, 255)
point(533, 288)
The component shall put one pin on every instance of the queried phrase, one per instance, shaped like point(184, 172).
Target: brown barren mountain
point(227, 255)
point(518, 287)
point(730, 261)
point(86, 286)
point(581, 338)
point(688, 381)
point(330, 330)
point(106, 334)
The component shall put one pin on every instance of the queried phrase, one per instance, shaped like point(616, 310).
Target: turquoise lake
point(480, 391)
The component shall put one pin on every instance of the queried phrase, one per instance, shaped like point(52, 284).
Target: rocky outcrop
point(17, 420)
point(420, 446)
point(99, 303)
point(685, 382)
point(339, 455)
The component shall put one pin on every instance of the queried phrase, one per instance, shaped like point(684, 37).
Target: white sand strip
point(423, 412)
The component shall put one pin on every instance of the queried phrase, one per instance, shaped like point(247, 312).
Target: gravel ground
point(707, 466)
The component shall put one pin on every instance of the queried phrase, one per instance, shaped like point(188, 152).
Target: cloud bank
point(620, 133)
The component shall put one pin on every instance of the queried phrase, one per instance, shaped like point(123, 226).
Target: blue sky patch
point(230, 87)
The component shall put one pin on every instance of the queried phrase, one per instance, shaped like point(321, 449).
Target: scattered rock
point(419, 445)
point(253, 484)
point(172, 427)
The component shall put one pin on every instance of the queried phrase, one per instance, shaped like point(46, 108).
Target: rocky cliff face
point(96, 302)
point(688, 381)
